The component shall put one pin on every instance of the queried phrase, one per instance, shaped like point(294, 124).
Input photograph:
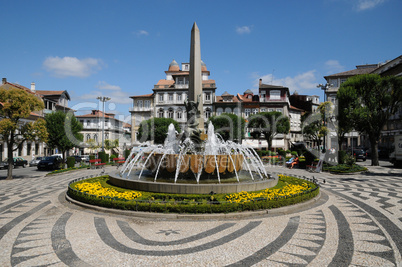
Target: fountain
point(193, 162)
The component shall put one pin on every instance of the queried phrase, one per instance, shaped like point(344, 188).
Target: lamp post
point(103, 99)
point(324, 87)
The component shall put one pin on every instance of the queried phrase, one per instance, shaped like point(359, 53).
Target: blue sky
point(122, 48)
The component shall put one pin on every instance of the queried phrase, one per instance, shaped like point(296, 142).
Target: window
point(170, 113)
point(88, 123)
point(179, 113)
point(106, 136)
point(270, 109)
point(247, 112)
point(160, 113)
point(236, 111)
point(207, 113)
point(139, 103)
point(219, 111)
point(88, 137)
point(96, 137)
point(279, 110)
point(343, 80)
point(207, 97)
point(180, 80)
point(36, 149)
point(178, 97)
point(263, 110)
point(170, 97)
point(275, 94)
point(160, 97)
point(228, 110)
point(147, 103)
point(20, 151)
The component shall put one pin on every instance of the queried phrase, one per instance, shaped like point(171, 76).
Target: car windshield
point(38, 158)
point(48, 158)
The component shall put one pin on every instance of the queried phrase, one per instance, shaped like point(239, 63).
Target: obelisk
point(195, 80)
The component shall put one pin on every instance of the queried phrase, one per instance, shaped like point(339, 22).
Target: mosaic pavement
point(357, 222)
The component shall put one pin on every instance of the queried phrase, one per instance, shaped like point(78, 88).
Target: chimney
point(33, 87)
point(4, 80)
point(260, 82)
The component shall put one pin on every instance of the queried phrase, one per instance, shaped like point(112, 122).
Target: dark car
point(77, 159)
point(35, 161)
point(16, 162)
point(50, 163)
point(358, 153)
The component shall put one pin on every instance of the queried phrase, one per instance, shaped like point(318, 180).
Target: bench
point(118, 161)
point(95, 163)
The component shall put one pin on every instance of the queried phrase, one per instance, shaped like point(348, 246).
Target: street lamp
point(103, 99)
point(324, 87)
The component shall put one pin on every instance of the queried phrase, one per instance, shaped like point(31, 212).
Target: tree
point(64, 131)
point(93, 145)
point(110, 144)
point(229, 126)
point(367, 102)
point(315, 126)
point(16, 106)
point(270, 124)
point(156, 129)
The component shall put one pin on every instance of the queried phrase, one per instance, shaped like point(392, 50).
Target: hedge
point(70, 162)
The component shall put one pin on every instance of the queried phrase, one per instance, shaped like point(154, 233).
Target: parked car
point(17, 161)
point(85, 158)
point(35, 161)
point(358, 153)
point(77, 159)
point(50, 163)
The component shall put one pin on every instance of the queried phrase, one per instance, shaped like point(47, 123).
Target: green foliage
point(103, 158)
point(345, 168)
point(110, 144)
point(64, 131)
point(70, 162)
point(126, 153)
point(156, 129)
point(366, 102)
point(17, 104)
point(91, 157)
point(270, 124)
point(113, 156)
point(229, 126)
point(342, 155)
point(294, 153)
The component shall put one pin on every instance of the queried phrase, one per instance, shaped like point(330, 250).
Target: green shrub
point(70, 162)
point(126, 153)
point(342, 156)
point(91, 157)
point(294, 153)
point(102, 156)
point(113, 156)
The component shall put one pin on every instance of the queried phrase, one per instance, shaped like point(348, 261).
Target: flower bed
point(97, 191)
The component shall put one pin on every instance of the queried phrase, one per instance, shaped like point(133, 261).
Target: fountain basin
point(185, 188)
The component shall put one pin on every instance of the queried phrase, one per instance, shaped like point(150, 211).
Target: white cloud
point(72, 66)
point(368, 4)
point(333, 66)
point(113, 91)
point(243, 30)
point(303, 81)
point(105, 86)
point(141, 33)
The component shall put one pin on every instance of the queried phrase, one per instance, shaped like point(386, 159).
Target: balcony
point(143, 109)
point(267, 99)
point(181, 86)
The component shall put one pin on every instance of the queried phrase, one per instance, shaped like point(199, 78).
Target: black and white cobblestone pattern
point(358, 222)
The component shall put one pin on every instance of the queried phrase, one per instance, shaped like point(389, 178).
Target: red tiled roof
point(135, 96)
point(126, 125)
point(165, 82)
point(43, 92)
point(7, 85)
point(97, 114)
point(220, 99)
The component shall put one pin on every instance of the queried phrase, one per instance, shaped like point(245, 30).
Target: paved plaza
point(357, 221)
